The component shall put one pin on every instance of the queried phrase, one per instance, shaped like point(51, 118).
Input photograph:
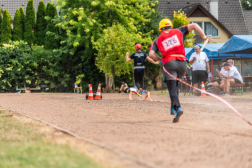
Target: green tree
point(17, 27)
point(1, 20)
point(29, 23)
point(22, 18)
point(51, 29)
point(83, 21)
point(6, 27)
point(246, 4)
point(111, 47)
point(180, 19)
point(41, 24)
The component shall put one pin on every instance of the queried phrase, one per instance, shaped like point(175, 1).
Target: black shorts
point(126, 90)
point(199, 76)
point(237, 80)
point(175, 68)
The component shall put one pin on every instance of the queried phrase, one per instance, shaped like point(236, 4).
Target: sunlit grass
point(21, 146)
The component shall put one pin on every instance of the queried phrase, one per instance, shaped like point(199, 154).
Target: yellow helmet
point(165, 23)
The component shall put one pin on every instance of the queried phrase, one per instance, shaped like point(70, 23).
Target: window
point(208, 28)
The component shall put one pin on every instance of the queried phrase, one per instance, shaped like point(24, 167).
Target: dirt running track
point(209, 135)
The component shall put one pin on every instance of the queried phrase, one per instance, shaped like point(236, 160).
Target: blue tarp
point(240, 44)
point(210, 49)
point(187, 50)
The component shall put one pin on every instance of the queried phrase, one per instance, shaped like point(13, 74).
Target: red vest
point(171, 42)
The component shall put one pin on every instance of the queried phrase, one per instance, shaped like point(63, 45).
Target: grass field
point(22, 146)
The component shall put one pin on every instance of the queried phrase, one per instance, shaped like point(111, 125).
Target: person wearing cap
point(233, 77)
point(199, 61)
point(139, 59)
point(171, 45)
point(219, 85)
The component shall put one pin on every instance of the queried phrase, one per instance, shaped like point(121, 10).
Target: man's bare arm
point(153, 55)
point(127, 57)
point(152, 61)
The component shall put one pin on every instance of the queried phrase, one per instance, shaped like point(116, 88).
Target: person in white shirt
point(199, 61)
point(220, 84)
point(231, 63)
point(233, 76)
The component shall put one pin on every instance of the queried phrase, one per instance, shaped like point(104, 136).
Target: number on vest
point(171, 42)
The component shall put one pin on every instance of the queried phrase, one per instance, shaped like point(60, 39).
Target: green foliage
point(111, 47)
point(29, 23)
point(51, 29)
point(22, 64)
point(41, 24)
point(6, 27)
point(1, 20)
point(82, 22)
point(86, 24)
point(180, 19)
point(22, 18)
point(17, 27)
point(246, 4)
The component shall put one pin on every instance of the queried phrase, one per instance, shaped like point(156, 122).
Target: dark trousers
point(139, 77)
point(177, 69)
point(172, 86)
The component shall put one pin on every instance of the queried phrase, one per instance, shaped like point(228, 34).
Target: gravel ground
point(209, 135)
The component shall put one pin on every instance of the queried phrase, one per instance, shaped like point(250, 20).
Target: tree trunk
point(113, 73)
point(113, 82)
point(108, 80)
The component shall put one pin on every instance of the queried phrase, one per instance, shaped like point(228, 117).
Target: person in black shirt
point(139, 58)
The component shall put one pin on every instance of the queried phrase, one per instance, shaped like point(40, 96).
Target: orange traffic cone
point(203, 93)
point(98, 93)
point(90, 94)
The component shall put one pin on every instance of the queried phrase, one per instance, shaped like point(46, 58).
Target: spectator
point(220, 83)
point(231, 63)
point(233, 77)
point(27, 90)
point(199, 63)
point(124, 87)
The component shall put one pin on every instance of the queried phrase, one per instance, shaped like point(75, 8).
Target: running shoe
point(179, 112)
point(172, 111)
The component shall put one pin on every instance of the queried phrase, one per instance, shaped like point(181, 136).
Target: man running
point(139, 58)
point(171, 45)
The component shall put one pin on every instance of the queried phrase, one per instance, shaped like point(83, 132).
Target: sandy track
point(208, 134)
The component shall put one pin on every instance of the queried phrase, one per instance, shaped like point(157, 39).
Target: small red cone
point(203, 93)
point(98, 93)
point(90, 94)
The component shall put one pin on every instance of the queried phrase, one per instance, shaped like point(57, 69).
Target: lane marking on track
point(114, 150)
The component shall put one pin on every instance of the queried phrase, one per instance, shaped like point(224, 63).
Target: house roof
point(192, 9)
point(230, 12)
point(248, 17)
point(13, 5)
